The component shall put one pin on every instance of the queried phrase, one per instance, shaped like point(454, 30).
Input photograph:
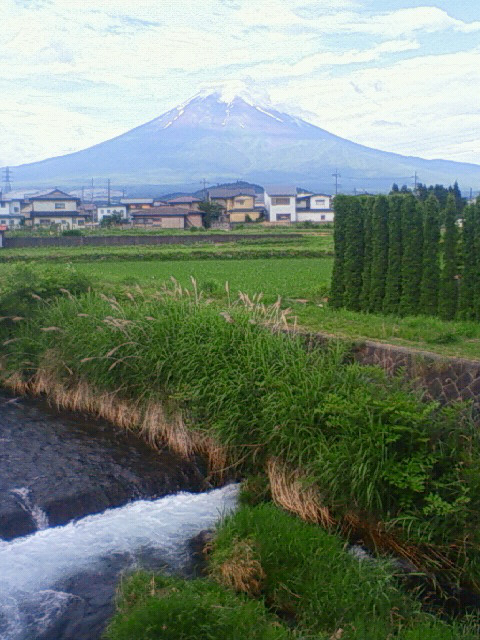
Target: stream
point(81, 503)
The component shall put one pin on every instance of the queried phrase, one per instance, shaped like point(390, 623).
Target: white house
point(11, 220)
point(104, 210)
point(280, 203)
point(314, 207)
point(53, 208)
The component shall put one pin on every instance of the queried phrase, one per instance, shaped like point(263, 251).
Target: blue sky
point(398, 75)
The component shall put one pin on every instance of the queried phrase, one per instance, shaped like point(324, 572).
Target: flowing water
point(81, 503)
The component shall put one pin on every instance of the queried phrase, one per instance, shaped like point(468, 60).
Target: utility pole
point(204, 189)
point(91, 193)
point(415, 178)
point(7, 180)
point(83, 194)
point(108, 191)
point(336, 175)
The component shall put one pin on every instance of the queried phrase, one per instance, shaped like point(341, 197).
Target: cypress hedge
point(448, 287)
point(379, 252)
point(393, 284)
point(430, 284)
point(392, 255)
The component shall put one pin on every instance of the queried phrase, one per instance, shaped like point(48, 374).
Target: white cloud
point(96, 68)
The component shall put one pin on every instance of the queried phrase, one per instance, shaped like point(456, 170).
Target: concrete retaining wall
point(124, 240)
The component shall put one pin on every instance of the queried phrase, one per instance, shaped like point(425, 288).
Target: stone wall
point(445, 379)
point(125, 240)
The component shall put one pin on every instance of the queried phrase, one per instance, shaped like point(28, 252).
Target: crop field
point(298, 270)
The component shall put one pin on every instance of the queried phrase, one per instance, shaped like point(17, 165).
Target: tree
point(412, 262)
point(379, 252)
point(211, 210)
point(470, 265)
point(111, 220)
point(395, 188)
point(353, 262)
point(448, 298)
point(393, 283)
point(337, 288)
point(430, 283)
point(368, 203)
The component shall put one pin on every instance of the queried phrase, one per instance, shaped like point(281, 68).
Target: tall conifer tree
point(367, 253)
point(379, 252)
point(447, 304)
point(337, 288)
point(353, 265)
point(412, 259)
point(430, 283)
point(469, 259)
point(393, 284)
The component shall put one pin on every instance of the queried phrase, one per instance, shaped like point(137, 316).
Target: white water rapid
point(34, 568)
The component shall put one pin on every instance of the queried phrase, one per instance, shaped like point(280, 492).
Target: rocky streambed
point(80, 503)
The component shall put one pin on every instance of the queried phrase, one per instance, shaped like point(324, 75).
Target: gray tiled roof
point(281, 190)
point(230, 192)
point(158, 212)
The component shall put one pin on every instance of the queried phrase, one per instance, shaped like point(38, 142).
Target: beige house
point(237, 203)
point(53, 208)
point(166, 217)
point(185, 202)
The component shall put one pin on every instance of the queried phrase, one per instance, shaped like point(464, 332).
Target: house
point(280, 203)
point(54, 208)
point(133, 204)
point(105, 210)
point(11, 220)
point(166, 217)
point(185, 202)
point(314, 207)
point(236, 202)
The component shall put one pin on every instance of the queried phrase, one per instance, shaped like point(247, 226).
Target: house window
point(320, 202)
point(240, 201)
point(44, 221)
point(280, 200)
point(80, 222)
point(59, 205)
point(3, 222)
point(64, 222)
point(322, 217)
point(108, 210)
point(283, 217)
point(16, 209)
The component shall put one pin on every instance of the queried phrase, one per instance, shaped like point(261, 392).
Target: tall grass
point(363, 450)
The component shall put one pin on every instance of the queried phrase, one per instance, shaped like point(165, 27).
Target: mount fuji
point(230, 138)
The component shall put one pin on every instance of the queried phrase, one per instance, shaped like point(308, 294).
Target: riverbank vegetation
point(299, 580)
point(341, 444)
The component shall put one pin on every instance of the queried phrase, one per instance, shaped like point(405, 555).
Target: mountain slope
point(236, 139)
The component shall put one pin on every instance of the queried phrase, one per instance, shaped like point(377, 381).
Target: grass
point(364, 450)
point(156, 606)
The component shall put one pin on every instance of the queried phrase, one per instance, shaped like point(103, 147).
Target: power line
point(7, 179)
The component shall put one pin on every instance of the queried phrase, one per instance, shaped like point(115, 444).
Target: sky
point(397, 75)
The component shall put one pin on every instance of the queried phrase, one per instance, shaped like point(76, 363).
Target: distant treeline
point(401, 254)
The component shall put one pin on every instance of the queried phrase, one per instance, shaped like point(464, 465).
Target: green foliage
point(72, 232)
point(379, 252)
point(367, 254)
point(393, 284)
point(448, 286)
point(311, 577)
point(20, 292)
point(429, 286)
point(412, 260)
point(211, 210)
point(353, 259)
point(157, 606)
point(111, 220)
point(337, 290)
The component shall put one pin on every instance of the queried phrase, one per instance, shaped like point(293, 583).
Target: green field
point(298, 270)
